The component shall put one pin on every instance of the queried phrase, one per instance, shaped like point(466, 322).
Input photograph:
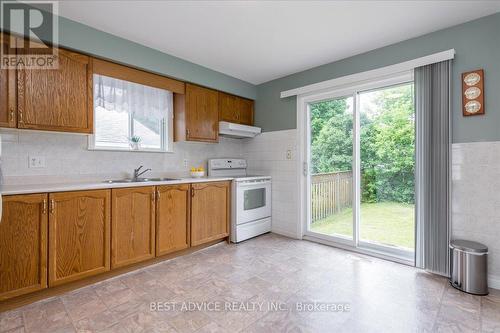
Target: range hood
point(233, 130)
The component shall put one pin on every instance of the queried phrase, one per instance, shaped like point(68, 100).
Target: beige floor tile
point(10, 320)
point(140, 322)
point(96, 322)
point(137, 304)
point(272, 270)
point(48, 316)
point(212, 328)
point(20, 329)
point(189, 321)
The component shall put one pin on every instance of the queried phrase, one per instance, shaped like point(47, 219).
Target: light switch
point(36, 162)
point(288, 154)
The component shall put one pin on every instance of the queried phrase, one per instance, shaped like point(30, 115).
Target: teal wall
point(83, 38)
point(477, 45)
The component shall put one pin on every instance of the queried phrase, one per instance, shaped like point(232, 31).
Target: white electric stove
point(251, 198)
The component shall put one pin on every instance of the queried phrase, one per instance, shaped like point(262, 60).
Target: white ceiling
point(258, 41)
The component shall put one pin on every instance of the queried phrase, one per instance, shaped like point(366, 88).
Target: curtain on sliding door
point(433, 135)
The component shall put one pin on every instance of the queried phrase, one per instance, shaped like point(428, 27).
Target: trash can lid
point(468, 246)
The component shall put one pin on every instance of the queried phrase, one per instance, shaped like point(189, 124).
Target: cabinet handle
point(158, 195)
point(153, 196)
point(11, 115)
point(192, 192)
point(44, 206)
point(52, 206)
point(188, 132)
point(20, 116)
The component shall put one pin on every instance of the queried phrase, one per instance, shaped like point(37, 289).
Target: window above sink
point(129, 116)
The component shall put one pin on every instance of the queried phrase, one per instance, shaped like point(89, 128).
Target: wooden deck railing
point(330, 193)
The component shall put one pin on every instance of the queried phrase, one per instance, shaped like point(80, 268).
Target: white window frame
point(166, 135)
point(304, 186)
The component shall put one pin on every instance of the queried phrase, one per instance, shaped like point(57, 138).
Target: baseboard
point(494, 281)
point(284, 232)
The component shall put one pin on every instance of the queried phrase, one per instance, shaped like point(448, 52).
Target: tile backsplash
point(67, 157)
point(476, 198)
point(274, 154)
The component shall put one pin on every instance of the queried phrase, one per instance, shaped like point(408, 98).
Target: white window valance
point(133, 98)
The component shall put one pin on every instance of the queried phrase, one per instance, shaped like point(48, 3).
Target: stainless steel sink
point(139, 180)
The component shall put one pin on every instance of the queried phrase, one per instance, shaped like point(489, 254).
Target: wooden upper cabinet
point(228, 108)
point(246, 109)
point(133, 225)
point(235, 109)
point(201, 114)
point(8, 106)
point(23, 245)
point(172, 218)
point(210, 211)
point(79, 235)
point(57, 99)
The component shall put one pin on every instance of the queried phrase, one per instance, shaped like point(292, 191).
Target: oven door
point(253, 200)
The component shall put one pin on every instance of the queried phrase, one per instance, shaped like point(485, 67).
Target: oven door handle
point(259, 183)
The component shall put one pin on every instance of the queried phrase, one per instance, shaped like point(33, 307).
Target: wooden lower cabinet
point(133, 225)
point(79, 235)
point(23, 245)
point(210, 211)
point(172, 218)
point(50, 239)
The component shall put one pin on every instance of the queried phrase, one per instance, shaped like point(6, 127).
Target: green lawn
point(390, 223)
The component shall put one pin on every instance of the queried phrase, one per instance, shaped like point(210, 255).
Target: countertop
point(96, 185)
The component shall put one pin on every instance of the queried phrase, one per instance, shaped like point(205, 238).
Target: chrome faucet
point(138, 172)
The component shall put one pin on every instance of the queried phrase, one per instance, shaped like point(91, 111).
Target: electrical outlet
point(185, 162)
point(36, 161)
point(288, 154)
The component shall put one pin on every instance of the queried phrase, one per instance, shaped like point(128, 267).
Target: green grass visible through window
point(389, 223)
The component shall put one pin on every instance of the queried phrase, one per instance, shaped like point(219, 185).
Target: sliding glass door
point(361, 164)
point(387, 169)
point(332, 148)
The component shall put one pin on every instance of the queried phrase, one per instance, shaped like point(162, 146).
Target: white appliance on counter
point(239, 131)
point(251, 198)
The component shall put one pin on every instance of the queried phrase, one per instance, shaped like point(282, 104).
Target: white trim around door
point(303, 140)
point(375, 74)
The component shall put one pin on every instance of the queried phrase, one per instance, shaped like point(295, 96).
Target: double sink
point(139, 180)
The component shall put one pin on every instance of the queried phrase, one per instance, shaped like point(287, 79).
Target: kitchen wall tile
point(476, 197)
point(267, 155)
point(68, 159)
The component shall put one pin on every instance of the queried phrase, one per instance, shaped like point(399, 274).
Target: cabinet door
point(245, 107)
point(202, 114)
point(57, 99)
point(79, 231)
point(228, 108)
point(210, 212)
point(23, 245)
point(172, 218)
point(8, 107)
point(133, 225)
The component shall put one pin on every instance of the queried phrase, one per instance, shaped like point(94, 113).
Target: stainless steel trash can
point(469, 266)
